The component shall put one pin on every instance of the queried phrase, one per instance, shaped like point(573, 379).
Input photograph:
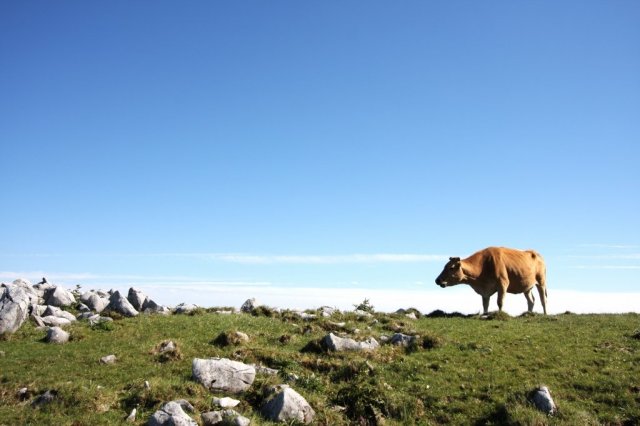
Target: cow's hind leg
point(542, 291)
point(530, 299)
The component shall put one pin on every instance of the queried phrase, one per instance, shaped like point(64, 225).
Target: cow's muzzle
point(441, 283)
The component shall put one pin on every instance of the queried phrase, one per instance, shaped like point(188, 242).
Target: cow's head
point(451, 274)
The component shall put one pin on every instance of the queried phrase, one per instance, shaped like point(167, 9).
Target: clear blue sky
point(150, 140)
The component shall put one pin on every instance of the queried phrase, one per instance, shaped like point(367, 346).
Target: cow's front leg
point(485, 304)
point(502, 290)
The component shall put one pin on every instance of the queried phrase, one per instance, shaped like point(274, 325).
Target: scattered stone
point(334, 343)
point(147, 385)
point(97, 319)
point(185, 308)
point(167, 346)
point(14, 307)
point(411, 315)
point(404, 340)
point(327, 311)
point(44, 398)
point(108, 359)
point(186, 405)
point(304, 316)
point(83, 308)
point(2, 354)
point(57, 335)
point(225, 402)
point(171, 414)
point(119, 303)
point(224, 417)
point(230, 338)
point(131, 418)
point(260, 369)
point(249, 305)
point(223, 374)
point(225, 311)
point(137, 298)
point(24, 394)
point(541, 398)
point(361, 313)
point(58, 296)
point(287, 405)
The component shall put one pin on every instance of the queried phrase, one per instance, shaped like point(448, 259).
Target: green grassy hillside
point(464, 370)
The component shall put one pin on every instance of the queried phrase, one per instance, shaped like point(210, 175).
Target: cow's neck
point(471, 274)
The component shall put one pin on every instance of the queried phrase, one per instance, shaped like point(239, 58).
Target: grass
point(462, 370)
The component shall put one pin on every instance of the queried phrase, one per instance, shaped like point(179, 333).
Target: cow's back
point(524, 268)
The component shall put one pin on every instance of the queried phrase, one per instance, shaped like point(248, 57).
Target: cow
point(498, 269)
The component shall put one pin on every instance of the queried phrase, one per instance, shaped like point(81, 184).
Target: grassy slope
point(479, 372)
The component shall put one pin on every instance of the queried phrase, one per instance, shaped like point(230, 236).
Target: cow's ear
point(455, 259)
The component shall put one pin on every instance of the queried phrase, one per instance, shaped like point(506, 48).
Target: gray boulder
point(53, 321)
point(57, 312)
point(400, 339)
point(94, 301)
point(224, 418)
point(185, 308)
point(287, 406)
point(171, 414)
point(108, 359)
point(34, 296)
point(541, 398)
point(57, 335)
point(14, 307)
point(45, 398)
point(136, 298)
point(58, 296)
point(334, 343)
point(97, 319)
point(222, 374)
point(327, 311)
point(151, 307)
point(249, 305)
point(225, 402)
point(119, 303)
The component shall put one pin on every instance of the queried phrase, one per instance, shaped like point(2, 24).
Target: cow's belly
point(516, 288)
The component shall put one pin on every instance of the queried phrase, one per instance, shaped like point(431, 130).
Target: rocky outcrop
point(151, 307)
point(118, 303)
point(15, 304)
point(171, 414)
point(222, 374)
point(331, 342)
point(58, 296)
point(94, 301)
point(137, 298)
point(286, 405)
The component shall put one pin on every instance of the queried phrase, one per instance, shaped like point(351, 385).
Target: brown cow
point(501, 270)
